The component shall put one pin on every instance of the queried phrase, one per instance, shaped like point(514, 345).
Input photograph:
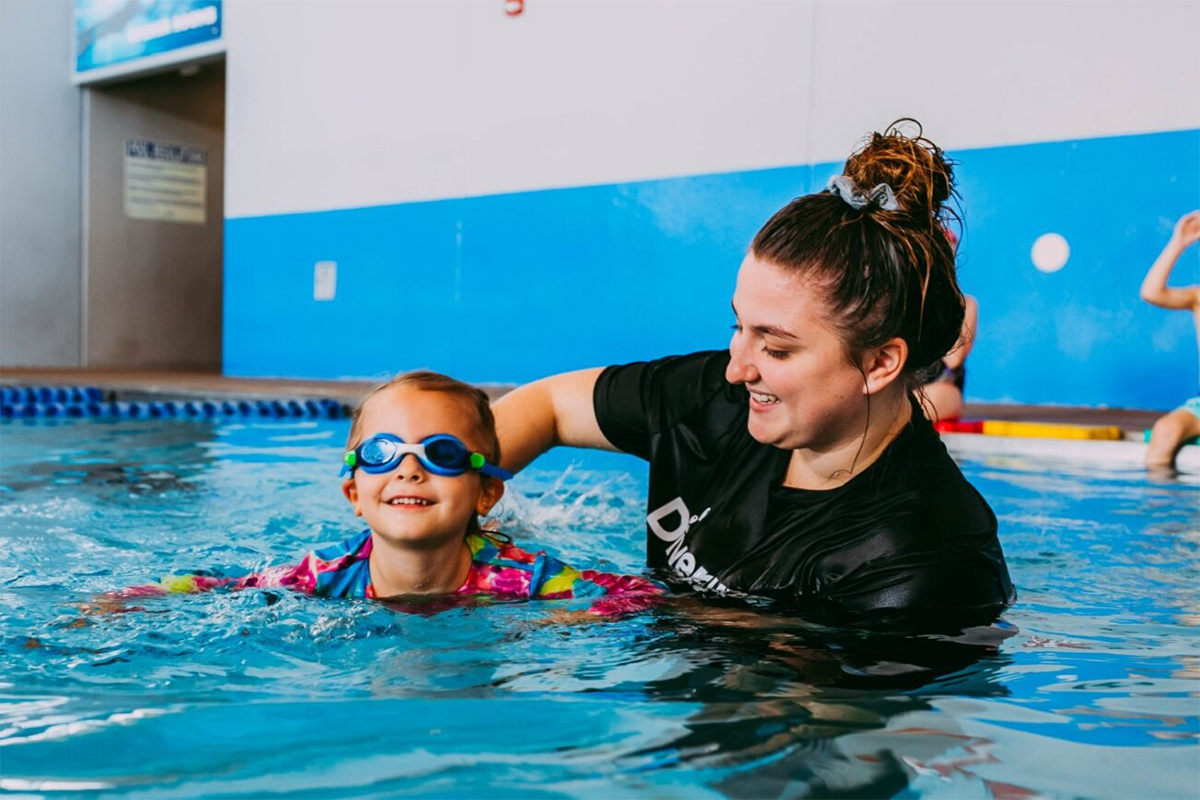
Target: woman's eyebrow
point(767, 330)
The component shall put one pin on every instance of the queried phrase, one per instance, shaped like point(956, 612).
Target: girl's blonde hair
point(436, 382)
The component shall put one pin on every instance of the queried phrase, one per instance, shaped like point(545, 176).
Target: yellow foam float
point(1047, 430)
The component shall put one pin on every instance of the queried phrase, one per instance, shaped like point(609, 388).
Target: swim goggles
point(440, 454)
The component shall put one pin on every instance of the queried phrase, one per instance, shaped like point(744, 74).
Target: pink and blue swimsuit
point(498, 568)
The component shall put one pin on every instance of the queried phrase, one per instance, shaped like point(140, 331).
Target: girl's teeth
point(408, 501)
point(764, 398)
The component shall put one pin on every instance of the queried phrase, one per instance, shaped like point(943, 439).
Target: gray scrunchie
point(882, 195)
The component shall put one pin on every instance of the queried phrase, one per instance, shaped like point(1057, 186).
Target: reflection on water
point(1089, 688)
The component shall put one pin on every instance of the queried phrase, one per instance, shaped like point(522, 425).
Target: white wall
point(981, 73)
point(40, 145)
point(355, 103)
point(361, 103)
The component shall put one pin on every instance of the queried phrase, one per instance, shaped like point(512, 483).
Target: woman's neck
point(398, 570)
point(833, 466)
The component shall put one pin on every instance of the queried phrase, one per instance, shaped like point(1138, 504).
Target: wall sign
point(166, 181)
point(124, 37)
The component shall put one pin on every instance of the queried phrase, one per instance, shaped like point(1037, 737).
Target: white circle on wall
point(1050, 252)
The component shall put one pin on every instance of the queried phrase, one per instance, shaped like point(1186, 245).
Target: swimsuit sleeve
point(634, 402)
point(340, 570)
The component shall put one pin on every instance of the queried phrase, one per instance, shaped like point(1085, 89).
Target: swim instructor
point(797, 465)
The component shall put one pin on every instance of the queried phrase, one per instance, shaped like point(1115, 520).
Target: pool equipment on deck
point(1030, 430)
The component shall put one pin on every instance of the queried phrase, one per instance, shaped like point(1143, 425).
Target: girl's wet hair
point(885, 273)
point(436, 382)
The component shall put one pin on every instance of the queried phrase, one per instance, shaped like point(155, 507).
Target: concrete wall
point(40, 140)
point(153, 286)
point(576, 185)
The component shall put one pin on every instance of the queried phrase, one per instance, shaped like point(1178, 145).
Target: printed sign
point(165, 181)
point(117, 37)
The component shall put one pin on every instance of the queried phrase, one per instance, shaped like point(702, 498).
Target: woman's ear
point(882, 365)
point(350, 489)
point(489, 495)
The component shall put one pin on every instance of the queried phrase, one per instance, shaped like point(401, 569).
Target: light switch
point(325, 280)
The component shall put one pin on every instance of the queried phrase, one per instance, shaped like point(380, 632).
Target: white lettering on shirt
point(680, 559)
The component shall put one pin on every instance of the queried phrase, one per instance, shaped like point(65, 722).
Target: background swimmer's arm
point(558, 410)
point(966, 339)
point(1154, 287)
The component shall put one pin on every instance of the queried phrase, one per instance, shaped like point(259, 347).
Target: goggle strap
point(492, 471)
point(348, 463)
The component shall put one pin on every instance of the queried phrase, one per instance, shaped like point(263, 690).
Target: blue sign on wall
point(118, 37)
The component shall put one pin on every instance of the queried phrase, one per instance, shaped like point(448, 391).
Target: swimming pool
point(1090, 689)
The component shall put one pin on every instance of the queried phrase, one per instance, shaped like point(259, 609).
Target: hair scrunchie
point(881, 195)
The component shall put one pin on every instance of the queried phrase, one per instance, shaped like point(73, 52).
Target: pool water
point(1090, 687)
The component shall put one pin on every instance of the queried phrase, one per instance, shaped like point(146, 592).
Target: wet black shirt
point(907, 536)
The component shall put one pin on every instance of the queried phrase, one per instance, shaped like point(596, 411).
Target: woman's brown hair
point(885, 273)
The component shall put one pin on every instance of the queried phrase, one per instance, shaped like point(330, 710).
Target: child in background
point(1171, 431)
point(423, 513)
point(941, 396)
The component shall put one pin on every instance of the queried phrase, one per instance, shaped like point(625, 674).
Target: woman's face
point(804, 391)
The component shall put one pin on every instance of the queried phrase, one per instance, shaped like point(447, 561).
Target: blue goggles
point(440, 454)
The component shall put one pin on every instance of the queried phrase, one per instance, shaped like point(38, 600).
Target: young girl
point(423, 535)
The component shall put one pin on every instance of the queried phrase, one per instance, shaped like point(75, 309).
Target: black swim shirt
point(907, 537)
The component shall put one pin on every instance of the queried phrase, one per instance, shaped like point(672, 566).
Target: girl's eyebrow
point(767, 330)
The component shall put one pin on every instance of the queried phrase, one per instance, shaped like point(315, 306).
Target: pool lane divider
point(13, 395)
point(90, 401)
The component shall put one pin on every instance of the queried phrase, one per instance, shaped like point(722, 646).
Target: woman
point(798, 465)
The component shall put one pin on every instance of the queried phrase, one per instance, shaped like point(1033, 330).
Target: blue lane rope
point(90, 401)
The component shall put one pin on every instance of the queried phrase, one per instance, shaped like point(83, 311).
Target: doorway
point(153, 221)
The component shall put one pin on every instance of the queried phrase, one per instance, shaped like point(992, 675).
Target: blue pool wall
point(510, 287)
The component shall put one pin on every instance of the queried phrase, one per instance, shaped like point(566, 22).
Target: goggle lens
point(375, 452)
point(448, 454)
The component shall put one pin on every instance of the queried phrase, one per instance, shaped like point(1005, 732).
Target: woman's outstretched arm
point(552, 411)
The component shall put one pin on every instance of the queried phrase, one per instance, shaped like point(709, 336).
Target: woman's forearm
point(525, 424)
point(540, 415)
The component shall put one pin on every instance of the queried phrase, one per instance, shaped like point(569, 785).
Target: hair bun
point(919, 172)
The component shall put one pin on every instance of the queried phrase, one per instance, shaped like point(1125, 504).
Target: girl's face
point(410, 506)
point(804, 391)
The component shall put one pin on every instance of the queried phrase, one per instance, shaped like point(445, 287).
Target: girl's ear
point(350, 489)
point(489, 495)
point(883, 364)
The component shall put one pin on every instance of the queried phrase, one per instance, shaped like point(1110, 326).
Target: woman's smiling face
point(804, 390)
point(410, 506)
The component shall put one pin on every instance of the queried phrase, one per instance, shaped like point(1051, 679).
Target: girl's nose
point(409, 469)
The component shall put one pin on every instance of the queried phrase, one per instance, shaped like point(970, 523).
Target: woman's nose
point(740, 369)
